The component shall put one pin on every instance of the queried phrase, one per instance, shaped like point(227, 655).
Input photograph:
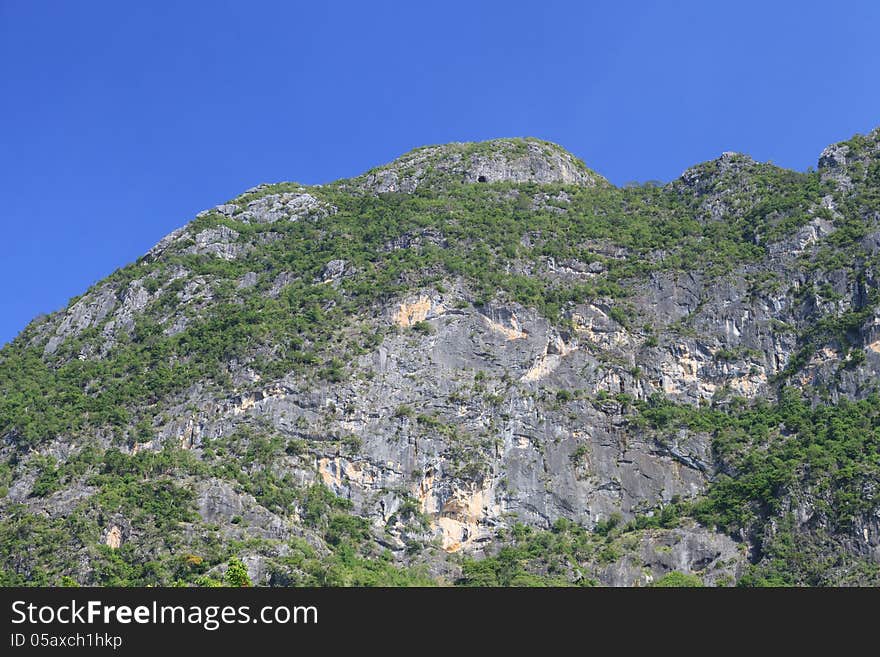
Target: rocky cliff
point(479, 364)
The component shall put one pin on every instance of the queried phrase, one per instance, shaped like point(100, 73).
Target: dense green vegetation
point(169, 544)
point(774, 459)
point(772, 451)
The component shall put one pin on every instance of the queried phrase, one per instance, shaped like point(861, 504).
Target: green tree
point(676, 579)
point(237, 574)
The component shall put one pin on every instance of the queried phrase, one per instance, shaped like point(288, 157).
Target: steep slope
point(481, 363)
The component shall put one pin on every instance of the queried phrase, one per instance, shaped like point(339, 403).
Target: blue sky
point(119, 121)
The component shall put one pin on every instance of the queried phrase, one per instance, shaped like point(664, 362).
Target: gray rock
point(281, 281)
point(833, 165)
point(228, 209)
point(167, 242)
point(286, 206)
point(332, 271)
point(513, 160)
point(221, 242)
point(716, 559)
point(248, 280)
point(85, 313)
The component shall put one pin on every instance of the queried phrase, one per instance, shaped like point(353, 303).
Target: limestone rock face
point(114, 538)
point(441, 384)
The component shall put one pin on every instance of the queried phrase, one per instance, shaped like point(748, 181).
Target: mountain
point(479, 364)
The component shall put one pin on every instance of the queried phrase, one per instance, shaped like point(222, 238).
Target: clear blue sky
point(120, 120)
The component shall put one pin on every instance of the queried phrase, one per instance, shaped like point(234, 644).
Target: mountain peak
point(517, 160)
point(848, 162)
point(725, 170)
